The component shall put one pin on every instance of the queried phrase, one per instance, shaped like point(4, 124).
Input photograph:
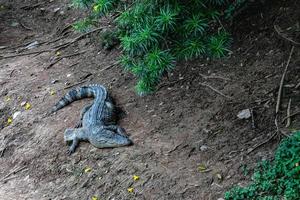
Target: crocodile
point(97, 123)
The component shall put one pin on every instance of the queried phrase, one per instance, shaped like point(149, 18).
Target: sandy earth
point(188, 141)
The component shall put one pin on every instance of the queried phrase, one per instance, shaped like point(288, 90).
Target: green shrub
point(154, 34)
point(279, 179)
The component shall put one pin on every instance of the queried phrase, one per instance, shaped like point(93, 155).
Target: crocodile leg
point(83, 111)
point(117, 129)
point(74, 136)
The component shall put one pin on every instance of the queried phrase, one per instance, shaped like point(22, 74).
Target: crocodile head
point(109, 139)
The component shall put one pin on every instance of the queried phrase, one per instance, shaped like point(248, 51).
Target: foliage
point(154, 34)
point(279, 179)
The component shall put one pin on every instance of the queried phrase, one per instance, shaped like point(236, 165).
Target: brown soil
point(183, 126)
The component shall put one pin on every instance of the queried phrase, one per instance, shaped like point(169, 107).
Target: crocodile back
point(95, 113)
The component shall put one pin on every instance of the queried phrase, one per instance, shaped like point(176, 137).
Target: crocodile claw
point(70, 151)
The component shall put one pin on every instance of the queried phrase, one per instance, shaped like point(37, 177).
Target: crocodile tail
point(73, 95)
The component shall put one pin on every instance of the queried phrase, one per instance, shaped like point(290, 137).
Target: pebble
point(54, 81)
point(15, 115)
point(244, 114)
point(203, 148)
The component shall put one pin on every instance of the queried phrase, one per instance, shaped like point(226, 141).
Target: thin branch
point(281, 34)
point(25, 54)
point(288, 113)
point(62, 46)
point(282, 80)
point(53, 63)
point(25, 27)
point(214, 77)
point(108, 67)
point(252, 119)
point(215, 90)
point(13, 172)
point(73, 54)
point(264, 142)
point(56, 60)
point(291, 115)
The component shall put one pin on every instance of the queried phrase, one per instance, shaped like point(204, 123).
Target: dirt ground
point(188, 141)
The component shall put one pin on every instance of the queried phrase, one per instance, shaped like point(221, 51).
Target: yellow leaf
point(87, 169)
point(9, 120)
point(130, 190)
point(202, 168)
point(95, 198)
point(52, 92)
point(136, 178)
point(27, 106)
point(58, 53)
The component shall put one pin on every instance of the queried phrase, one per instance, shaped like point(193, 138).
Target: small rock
point(2, 106)
point(14, 24)
point(244, 114)
point(56, 9)
point(220, 199)
point(23, 103)
point(54, 81)
point(203, 148)
point(15, 115)
point(68, 75)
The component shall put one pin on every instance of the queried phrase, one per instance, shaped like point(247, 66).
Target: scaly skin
point(98, 121)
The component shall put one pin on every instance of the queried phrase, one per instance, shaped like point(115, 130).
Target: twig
point(108, 67)
point(264, 142)
point(2, 151)
point(282, 80)
point(279, 32)
point(291, 115)
point(214, 77)
point(288, 113)
point(56, 60)
point(215, 90)
point(53, 63)
point(168, 84)
point(73, 54)
point(73, 64)
point(25, 27)
point(252, 119)
point(25, 54)
point(13, 172)
point(175, 148)
point(78, 83)
point(64, 29)
point(55, 40)
point(62, 46)
point(12, 71)
point(31, 7)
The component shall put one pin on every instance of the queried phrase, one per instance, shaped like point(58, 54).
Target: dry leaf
point(27, 106)
point(136, 178)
